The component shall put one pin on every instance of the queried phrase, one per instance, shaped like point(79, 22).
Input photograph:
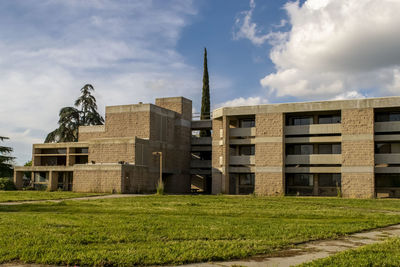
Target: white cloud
point(126, 49)
point(337, 49)
point(250, 101)
point(245, 28)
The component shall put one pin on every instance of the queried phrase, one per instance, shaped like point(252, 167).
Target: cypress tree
point(205, 98)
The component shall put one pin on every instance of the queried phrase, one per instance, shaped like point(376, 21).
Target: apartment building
point(121, 156)
point(328, 148)
point(349, 148)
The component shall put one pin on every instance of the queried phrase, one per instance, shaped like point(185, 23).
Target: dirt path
point(312, 250)
point(76, 198)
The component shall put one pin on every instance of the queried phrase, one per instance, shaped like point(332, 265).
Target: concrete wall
point(98, 178)
point(269, 155)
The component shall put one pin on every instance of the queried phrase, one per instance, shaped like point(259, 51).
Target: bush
point(6, 184)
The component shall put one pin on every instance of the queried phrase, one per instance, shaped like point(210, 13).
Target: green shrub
point(6, 184)
point(160, 188)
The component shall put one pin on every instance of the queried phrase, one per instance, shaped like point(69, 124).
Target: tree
point(205, 98)
point(6, 169)
point(83, 114)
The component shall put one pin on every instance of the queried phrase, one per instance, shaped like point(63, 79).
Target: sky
point(259, 52)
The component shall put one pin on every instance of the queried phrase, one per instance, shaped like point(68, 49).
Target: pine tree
point(5, 160)
point(83, 114)
point(205, 98)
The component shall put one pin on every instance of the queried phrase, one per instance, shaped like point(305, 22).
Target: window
point(387, 148)
point(300, 179)
point(247, 123)
point(299, 149)
point(387, 179)
point(305, 120)
point(81, 150)
point(246, 150)
point(329, 149)
point(329, 179)
point(246, 179)
point(327, 119)
point(387, 116)
point(53, 151)
point(40, 177)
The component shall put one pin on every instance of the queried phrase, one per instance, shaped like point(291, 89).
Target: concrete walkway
point(311, 250)
point(76, 198)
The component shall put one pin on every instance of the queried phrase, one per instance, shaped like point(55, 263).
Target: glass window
point(329, 179)
point(246, 150)
point(299, 149)
point(303, 121)
point(387, 180)
point(40, 177)
point(83, 150)
point(394, 116)
point(300, 179)
point(387, 116)
point(329, 149)
point(327, 119)
point(247, 123)
point(382, 148)
point(246, 179)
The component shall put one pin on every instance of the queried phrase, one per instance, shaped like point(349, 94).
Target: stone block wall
point(358, 153)
point(98, 178)
point(218, 152)
point(270, 154)
point(112, 150)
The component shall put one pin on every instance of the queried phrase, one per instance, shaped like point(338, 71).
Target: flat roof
point(377, 102)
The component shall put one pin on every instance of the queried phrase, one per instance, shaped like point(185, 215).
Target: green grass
point(12, 196)
point(177, 229)
point(383, 254)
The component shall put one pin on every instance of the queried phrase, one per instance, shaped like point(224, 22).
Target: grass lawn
point(384, 254)
point(177, 229)
point(11, 196)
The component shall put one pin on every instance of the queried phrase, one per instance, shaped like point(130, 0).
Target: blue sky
point(260, 51)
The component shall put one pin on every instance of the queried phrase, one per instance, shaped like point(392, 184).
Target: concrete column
point(358, 153)
point(18, 181)
point(53, 180)
point(270, 154)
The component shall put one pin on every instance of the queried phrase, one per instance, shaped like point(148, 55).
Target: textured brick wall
point(269, 154)
point(97, 180)
point(138, 179)
point(180, 105)
point(112, 152)
point(128, 124)
point(358, 153)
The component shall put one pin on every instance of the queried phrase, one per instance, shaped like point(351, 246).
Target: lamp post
point(159, 153)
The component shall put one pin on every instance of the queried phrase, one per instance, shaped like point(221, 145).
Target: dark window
point(53, 151)
point(247, 123)
point(246, 179)
point(387, 148)
point(246, 150)
point(387, 179)
point(299, 149)
point(387, 116)
point(327, 119)
point(300, 179)
point(81, 150)
point(329, 179)
point(40, 177)
point(302, 120)
point(329, 149)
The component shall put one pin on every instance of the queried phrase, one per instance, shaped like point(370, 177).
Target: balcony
point(393, 158)
point(387, 126)
point(201, 141)
point(334, 128)
point(241, 160)
point(238, 132)
point(313, 139)
point(314, 159)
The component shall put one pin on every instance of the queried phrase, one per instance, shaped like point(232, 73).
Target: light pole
point(159, 153)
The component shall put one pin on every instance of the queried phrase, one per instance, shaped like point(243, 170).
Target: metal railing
point(197, 115)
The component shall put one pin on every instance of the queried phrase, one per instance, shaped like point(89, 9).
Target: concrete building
point(346, 147)
point(119, 156)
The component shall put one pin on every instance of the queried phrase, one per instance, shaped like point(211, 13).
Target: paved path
point(311, 251)
point(76, 198)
